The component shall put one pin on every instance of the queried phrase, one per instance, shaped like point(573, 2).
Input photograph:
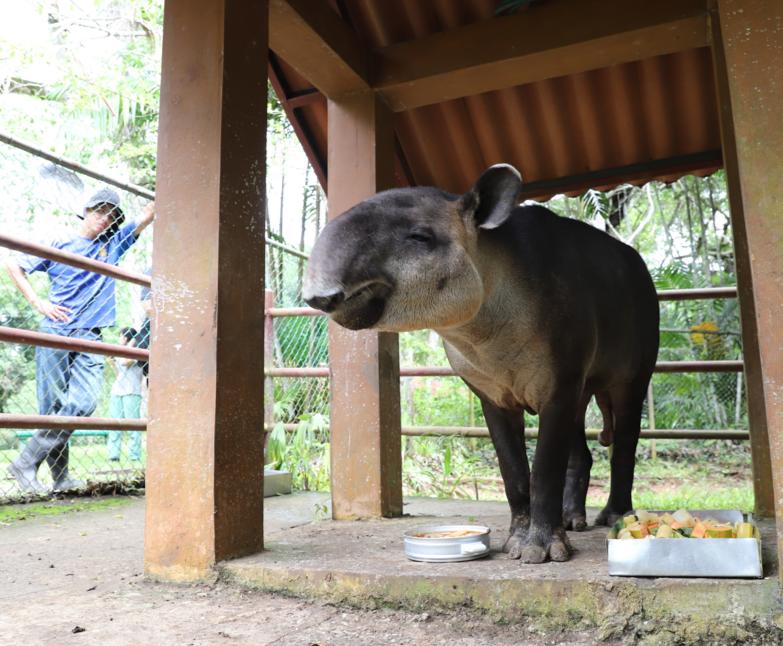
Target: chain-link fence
point(45, 204)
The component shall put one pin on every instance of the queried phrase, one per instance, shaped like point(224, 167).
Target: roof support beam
point(312, 39)
point(554, 39)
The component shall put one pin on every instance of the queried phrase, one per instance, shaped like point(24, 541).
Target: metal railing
point(721, 366)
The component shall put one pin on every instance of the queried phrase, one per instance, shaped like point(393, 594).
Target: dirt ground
point(76, 578)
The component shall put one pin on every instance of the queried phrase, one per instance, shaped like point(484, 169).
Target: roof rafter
point(312, 39)
point(556, 38)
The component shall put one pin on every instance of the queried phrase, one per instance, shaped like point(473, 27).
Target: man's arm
point(147, 216)
point(49, 310)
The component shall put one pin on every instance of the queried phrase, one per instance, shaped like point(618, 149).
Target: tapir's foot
point(543, 545)
point(517, 534)
point(539, 547)
point(575, 519)
point(608, 516)
point(514, 544)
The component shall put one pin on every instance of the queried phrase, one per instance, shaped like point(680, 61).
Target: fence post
point(269, 349)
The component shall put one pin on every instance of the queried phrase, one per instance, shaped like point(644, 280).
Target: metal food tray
point(446, 550)
point(698, 557)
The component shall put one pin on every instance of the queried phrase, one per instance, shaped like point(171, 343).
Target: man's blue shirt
point(88, 296)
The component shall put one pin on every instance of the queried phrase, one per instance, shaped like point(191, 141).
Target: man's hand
point(52, 311)
point(147, 216)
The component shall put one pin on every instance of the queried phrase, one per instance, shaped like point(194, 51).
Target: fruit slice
point(683, 518)
point(629, 520)
point(624, 534)
point(699, 530)
point(664, 531)
point(638, 530)
point(745, 530)
point(720, 530)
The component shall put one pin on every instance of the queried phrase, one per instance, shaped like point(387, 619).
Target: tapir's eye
point(423, 236)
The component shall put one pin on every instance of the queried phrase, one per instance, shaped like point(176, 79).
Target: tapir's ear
point(494, 195)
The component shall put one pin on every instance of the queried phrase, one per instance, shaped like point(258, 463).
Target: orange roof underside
point(633, 122)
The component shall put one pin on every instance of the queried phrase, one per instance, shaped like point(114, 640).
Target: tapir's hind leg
point(507, 429)
point(580, 461)
point(626, 403)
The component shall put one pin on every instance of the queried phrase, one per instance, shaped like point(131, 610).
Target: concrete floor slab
point(362, 563)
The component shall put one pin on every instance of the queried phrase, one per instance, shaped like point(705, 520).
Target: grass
point(15, 513)
point(685, 474)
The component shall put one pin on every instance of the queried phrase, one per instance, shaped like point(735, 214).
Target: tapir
point(537, 313)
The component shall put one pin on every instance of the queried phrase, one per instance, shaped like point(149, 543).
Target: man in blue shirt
point(80, 304)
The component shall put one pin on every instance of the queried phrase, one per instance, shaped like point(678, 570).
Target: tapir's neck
point(503, 307)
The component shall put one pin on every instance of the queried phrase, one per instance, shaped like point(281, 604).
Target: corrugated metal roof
point(648, 119)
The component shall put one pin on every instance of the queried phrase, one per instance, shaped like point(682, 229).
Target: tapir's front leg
point(507, 429)
point(546, 536)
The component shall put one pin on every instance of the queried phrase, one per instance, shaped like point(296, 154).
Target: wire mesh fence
point(45, 204)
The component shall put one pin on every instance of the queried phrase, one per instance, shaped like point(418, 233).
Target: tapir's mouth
point(363, 306)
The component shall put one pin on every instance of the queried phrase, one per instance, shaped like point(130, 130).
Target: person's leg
point(52, 373)
point(131, 405)
point(86, 376)
point(114, 439)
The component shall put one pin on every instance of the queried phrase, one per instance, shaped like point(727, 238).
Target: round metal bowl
point(445, 549)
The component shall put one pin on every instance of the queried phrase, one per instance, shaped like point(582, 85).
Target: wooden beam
point(553, 39)
point(747, 41)
point(205, 438)
point(312, 39)
point(365, 366)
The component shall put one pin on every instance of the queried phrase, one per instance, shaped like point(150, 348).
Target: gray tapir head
point(405, 259)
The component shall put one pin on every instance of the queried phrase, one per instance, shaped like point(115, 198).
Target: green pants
point(124, 407)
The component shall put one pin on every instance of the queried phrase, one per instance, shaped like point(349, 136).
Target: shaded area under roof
point(633, 122)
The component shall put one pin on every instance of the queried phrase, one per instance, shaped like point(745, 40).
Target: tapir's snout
point(327, 302)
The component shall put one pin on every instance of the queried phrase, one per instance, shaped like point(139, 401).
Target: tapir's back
point(594, 295)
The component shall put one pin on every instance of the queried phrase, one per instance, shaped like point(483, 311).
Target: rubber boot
point(25, 467)
point(59, 465)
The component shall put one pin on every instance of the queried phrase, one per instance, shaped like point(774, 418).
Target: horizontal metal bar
point(591, 433)
point(46, 340)
point(663, 295)
point(296, 372)
point(445, 371)
point(293, 311)
point(73, 259)
point(287, 249)
point(8, 420)
point(699, 366)
point(696, 294)
point(77, 167)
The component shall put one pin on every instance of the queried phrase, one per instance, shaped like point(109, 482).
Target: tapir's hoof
point(533, 554)
point(558, 549)
point(514, 544)
point(607, 517)
point(576, 521)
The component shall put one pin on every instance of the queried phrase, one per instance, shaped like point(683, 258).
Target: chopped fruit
point(664, 531)
point(638, 530)
point(683, 518)
point(699, 530)
point(680, 524)
point(720, 531)
point(745, 530)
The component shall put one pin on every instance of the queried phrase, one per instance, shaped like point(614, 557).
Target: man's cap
point(106, 196)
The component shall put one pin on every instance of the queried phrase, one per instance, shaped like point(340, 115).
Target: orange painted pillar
point(747, 48)
point(366, 468)
point(205, 456)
